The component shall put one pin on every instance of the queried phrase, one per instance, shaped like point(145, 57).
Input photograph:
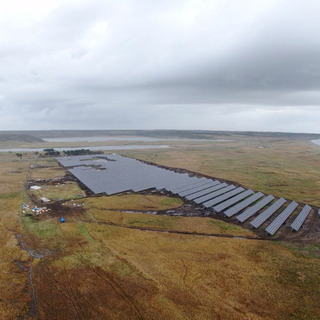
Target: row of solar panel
point(228, 200)
point(114, 173)
point(220, 196)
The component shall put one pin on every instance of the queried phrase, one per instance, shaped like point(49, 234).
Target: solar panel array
point(112, 174)
point(265, 215)
point(228, 203)
point(220, 189)
point(244, 204)
point(254, 209)
point(201, 193)
point(303, 215)
point(190, 186)
point(275, 225)
point(225, 196)
point(198, 189)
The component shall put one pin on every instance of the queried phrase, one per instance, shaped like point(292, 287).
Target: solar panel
point(266, 214)
point(187, 193)
point(215, 192)
point(254, 209)
point(189, 186)
point(204, 192)
point(112, 174)
point(243, 204)
point(300, 219)
point(275, 225)
point(228, 203)
point(223, 197)
point(166, 179)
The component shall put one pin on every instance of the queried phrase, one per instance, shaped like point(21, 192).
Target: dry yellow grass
point(14, 299)
point(127, 273)
point(62, 191)
point(47, 173)
point(215, 279)
point(47, 162)
point(187, 224)
point(13, 175)
point(167, 276)
point(134, 202)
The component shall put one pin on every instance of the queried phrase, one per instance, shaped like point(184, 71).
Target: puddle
point(32, 253)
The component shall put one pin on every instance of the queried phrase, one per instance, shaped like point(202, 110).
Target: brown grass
point(136, 274)
point(101, 271)
point(104, 271)
point(47, 173)
point(134, 202)
point(187, 224)
point(62, 191)
point(14, 294)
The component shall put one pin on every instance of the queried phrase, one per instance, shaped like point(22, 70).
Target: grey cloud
point(123, 64)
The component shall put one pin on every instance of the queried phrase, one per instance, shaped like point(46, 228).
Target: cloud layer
point(192, 64)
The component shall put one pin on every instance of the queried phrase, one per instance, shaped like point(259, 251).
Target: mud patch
point(38, 254)
point(89, 293)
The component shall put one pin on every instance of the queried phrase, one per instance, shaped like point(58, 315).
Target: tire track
point(201, 234)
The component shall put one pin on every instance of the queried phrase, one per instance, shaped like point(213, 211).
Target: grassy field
point(101, 268)
point(134, 202)
point(106, 271)
point(47, 173)
point(15, 296)
point(103, 209)
point(61, 191)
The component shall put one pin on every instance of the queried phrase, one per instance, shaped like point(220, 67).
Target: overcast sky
point(141, 64)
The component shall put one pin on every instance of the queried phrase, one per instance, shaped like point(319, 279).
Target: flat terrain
point(113, 260)
point(114, 211)
point(15, 297)
point(56, 192)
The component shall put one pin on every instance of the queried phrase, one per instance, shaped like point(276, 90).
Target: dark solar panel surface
point(223, 197)
point(254, 209)
point(200, 182)
point(275, 225)
point(243, 204)
point(198, 186)
point(112, 174)
point(300, 219)
point(204, 192)
point(201, 188)
point(228, 203)
point(266, 214)
point(215, 192)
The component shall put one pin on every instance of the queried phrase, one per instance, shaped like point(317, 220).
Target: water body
point(316, 142)
point(100, 139)
point(96, 148)
point(121, 138)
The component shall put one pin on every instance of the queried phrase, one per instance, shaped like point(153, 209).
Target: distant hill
point(31, 136)
point(18, 137)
